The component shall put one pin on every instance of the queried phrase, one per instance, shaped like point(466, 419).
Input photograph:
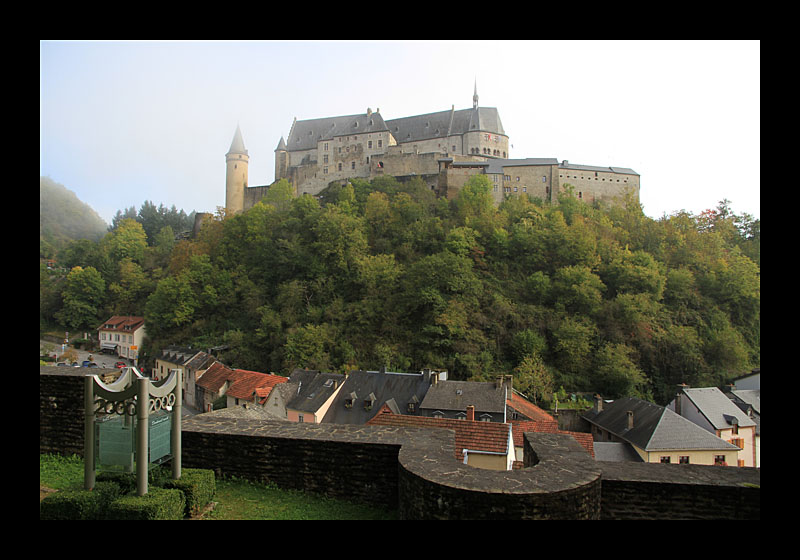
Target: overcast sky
point(125, 122)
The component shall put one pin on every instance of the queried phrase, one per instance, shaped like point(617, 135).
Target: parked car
point(86, 363)
point(120, 365)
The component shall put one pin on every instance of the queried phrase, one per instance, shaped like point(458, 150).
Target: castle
point(443, 148)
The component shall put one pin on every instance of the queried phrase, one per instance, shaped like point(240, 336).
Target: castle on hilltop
point(444, 149)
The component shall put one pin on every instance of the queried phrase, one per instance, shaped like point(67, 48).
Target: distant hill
point(64, 218)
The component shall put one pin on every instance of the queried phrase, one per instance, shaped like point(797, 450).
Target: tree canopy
point(383, 273)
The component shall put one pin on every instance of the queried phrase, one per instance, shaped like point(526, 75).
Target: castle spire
point(237, 146)
point(475, 95)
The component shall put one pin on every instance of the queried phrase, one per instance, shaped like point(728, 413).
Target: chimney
point(678, 398)
point(500, 381)
point(434, 377)
point(598, 404)
point(630, 419)
point(470, 413)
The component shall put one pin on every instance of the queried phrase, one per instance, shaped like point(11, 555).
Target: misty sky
point(125, 122)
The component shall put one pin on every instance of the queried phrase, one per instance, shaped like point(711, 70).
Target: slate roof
point(497, 165)
point(445, 123)
point(717, 408)
point(313, 389)
point(305, 134)
point(615, 451)
point(392, 388)
point(457, 395)
point(655, 427)
point(578, 167)
point(201, 360)
point(474, 436)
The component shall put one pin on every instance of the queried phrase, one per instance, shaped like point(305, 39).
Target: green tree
point(617, 374)
point(533, 377)
point(83, 296)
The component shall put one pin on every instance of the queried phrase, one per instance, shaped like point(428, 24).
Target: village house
point(365, 392)
point(314, 395)
point(122, 335)
point(251, 388)
point(711, 410)
point(449, 399)
point(656, 434)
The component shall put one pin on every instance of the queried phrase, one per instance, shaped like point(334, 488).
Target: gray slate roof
point(655, 427)
point(717, 408)
point(445, 123)
point(457, 395)
point(395, 389)
point(305, 134)
point(313, 389)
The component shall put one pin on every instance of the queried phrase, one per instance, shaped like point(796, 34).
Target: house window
point(438, 414)
point(683, 460)
point(719, 460)
point(665, 459)
point(380, 143)
point(411, 408)
point(300, 418)
point(369, 144)
point(352, 165)
point(340, 167)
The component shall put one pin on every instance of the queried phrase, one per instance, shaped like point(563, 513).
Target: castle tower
point(475, 95)
point(281, 161)
point(236, 176)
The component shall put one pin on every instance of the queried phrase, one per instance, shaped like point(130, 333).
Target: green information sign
point(122, 434)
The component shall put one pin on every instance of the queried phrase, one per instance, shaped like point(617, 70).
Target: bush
point(157, 504)
point(198, 487)
point(79, 504)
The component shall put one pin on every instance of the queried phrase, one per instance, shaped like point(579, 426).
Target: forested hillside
point(385, 274)
point(64, 218)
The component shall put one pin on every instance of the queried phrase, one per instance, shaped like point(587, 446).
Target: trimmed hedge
point(79, 504)
point(198, 487)
point(157, 504)
point(114, 497)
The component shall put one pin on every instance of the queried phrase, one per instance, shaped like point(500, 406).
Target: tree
point(533, 377)
point(128, 241)
point(616, 373)
point(83, 297)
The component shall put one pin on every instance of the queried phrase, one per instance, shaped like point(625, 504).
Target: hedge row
point(114, 497)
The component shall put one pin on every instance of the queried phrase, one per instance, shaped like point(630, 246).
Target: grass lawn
point(236, 499)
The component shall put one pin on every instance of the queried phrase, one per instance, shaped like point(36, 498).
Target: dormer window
point(350, 400)
point(369, 401)
point(412, 405)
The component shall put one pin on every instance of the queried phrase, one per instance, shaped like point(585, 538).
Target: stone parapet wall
point(414, 469)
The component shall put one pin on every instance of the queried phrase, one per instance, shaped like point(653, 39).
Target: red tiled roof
point(475, 436)
point(127, 323)
point(528, 409)
point(245, 382)
point(214, 378)
point(550, 427)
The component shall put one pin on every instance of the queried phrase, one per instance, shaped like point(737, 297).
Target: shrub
point(79, 504)
point(157, 504)
point(198, 487)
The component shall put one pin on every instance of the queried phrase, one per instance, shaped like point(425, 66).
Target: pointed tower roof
point(281, 146)
point(237, 146)
point(475, 95)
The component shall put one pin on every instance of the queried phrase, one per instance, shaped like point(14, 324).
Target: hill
point(64, 218)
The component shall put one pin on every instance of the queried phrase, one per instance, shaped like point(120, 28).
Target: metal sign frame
point(124, 397)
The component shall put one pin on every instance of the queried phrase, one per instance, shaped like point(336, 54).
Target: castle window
point(325, 147)
point(325, 158)
point(325, 170)
point(380, 143)
point(340, 167)
point(544, 178)
point(352, 165)
point(369, 144)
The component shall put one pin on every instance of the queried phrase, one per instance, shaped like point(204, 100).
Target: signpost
point(132, 420)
